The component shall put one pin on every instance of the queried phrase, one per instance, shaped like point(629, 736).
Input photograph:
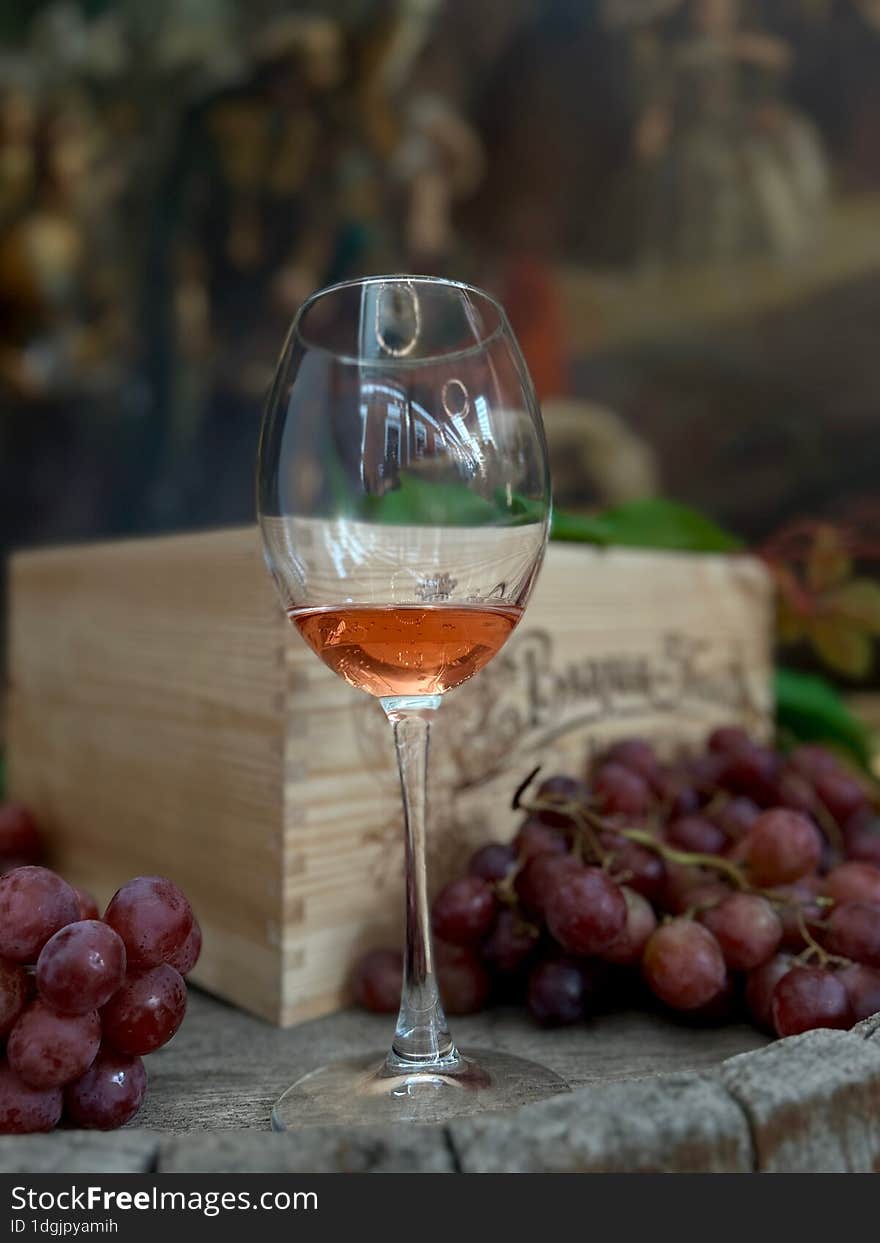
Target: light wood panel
point(165, 718)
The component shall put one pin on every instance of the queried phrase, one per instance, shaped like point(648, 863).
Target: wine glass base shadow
point(363, 1091)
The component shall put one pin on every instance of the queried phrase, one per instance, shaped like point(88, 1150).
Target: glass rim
point(400, 278)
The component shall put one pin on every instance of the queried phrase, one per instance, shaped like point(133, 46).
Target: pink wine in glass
point(406, 649)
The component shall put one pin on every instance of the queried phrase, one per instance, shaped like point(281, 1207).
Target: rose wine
point(408, 649)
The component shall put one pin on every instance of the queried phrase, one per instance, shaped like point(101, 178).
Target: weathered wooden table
point(647, 1095)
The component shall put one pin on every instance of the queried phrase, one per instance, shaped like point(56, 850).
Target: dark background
point(678, 200)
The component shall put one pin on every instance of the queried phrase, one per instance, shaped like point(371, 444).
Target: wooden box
point(165, 718)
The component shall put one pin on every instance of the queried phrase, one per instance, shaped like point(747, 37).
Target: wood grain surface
point(165, 718)
point(648, 1094)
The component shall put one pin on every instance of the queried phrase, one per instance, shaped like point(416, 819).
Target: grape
point(622, 792)
point(11, 863)
point(463, 911)
point(23, 1109)
point(81, 967)
point(557, 992)
point(723, 1007)
point(47, 1049)
point(586, 912)
point(109, 1094)
point(537, 838)
point(760, 985)
point(627, 950)
point(696, 834)
point(705, 772)
point(19, 835)
point(462, 979)
point(737, 816)
point(34, 904)
point(15, 993)
point(510, 943)
point(747, 929)
point(728, 738)
point(811, 761)
point(637, 755)
point(537, 881)
point(185, 958)
point(841, 794)
point(683, 965)
point(642, 869)
point(88, 905)
point(682, 800)
point(803, 893)
point(378, 981)
point(737, 852)
point(492, 862)
point(146, 1012)
point(862, 986)
point(853, 931)
point(808, 997)
point(794, 791)
point(854, 882)
point(673, 787)
point(681, 881)
point(153, 918)
point(753, 771)
point(783, 845)
point(705, 897)
point(560, 790)
point(863, 836)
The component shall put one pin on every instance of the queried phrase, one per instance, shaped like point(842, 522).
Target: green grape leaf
point(809, 709)
point(650, 523)
point(418, 502)
point(577, 528)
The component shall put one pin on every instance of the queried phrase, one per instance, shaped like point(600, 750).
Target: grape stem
point(829, 827)
point(505, 891)
point(581, 818)
point(588, 824)
point(814, 948)
point(516, 802)
point(687, 857)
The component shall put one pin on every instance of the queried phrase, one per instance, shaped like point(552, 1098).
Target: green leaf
point(649, 523)
point(811, 710)
point(418, 502)
point(578, 528)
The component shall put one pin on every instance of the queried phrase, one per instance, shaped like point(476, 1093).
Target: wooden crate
point(164, 717)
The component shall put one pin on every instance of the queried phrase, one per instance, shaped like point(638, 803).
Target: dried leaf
point(845, 648)
point(789, 624)
point(828, 563)
point(858, 601)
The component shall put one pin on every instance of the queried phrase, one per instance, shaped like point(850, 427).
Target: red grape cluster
point(737, 881)
point(83, 999)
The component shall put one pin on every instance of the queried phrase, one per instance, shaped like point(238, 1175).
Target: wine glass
point(404, 503)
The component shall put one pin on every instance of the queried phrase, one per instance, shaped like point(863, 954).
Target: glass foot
point(364, 1091)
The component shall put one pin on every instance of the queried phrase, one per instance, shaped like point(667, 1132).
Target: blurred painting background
point(677, 200)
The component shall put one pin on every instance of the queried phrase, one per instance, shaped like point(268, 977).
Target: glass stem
point(422, 1036)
